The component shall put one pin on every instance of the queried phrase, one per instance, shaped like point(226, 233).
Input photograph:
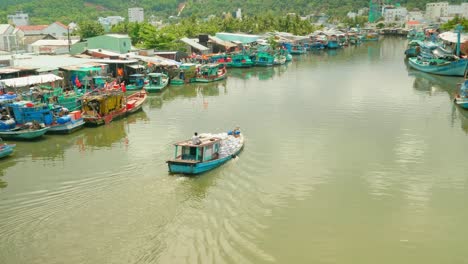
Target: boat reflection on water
point(6, 163)
point(433, 84)
point(261, 73)
point(191, 90)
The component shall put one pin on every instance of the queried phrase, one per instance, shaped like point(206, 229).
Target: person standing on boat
point(195, 139)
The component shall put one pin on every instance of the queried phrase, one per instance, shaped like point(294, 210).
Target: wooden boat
point(239, 60)
point(187, 73)
point(440, 66)
point(6, 150)
point(297, 49)
point(135, 82)
point(211, 73)
point(25, 132)
point(413, 49)
point(213, 151)
point(135, 101)
point(263, 58)
point(102, 107)
point(53, 116)
point(156, 82)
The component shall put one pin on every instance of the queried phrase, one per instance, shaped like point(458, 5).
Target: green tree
point(88, 29)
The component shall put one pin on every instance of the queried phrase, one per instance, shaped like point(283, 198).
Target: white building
point(363, 11)
point(110, 20)
point(395, 14)
point(18, 19)
point(239, 14)
point(136, 14)
point(415, 16)
point(434, 11)
point(458, 10)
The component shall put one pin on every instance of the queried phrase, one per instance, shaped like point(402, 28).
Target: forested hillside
point(46, 11)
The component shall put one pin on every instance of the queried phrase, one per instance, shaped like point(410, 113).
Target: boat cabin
point(136, 79)
point(102, 104)
point(210, 70)
point(156, 78)
point(188, 152)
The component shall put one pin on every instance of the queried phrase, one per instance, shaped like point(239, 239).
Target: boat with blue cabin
point(156, 82)
point(210, 152)
point(135, 82)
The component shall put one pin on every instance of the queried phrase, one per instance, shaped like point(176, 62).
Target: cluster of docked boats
point(438, 56)
point(32, 117)
point(441, 56)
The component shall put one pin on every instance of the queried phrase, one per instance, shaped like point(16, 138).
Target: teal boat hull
point(23, 134)
point(67, 128)
point(6, 150)
point(198, 168)
point(454, 68)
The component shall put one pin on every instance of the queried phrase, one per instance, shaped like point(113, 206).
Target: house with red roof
point(57, 30)
point(33, 33)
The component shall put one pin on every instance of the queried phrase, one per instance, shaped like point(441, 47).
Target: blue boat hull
point(23, 134)
point(67, 128)
point(197, 168)
point(455, 68)
point(6, 150)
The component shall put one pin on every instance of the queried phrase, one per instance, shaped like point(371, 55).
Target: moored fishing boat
point(211, 73)
point(136, 82)
point(156, 82)
point(440, 66)
point(263, 58)
point(134, 102)
point(239, 60)
point(6, 150)
point(58, 119)
point(102, 107)
point(27, 131)
point(210, 152)
point(413, 49)
point(186, 74)
point(297, 49)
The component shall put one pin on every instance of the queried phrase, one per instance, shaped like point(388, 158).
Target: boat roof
point(204, 142)
point(136, 75)
point(156, 74)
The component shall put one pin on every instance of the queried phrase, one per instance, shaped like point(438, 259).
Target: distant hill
point(47, 11)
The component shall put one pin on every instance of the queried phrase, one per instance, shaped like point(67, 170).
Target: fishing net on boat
point(229, 143)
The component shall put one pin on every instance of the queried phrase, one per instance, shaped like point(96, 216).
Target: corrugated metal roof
point(221, 42)
point(106, 52)
point(194, 44)
point(244, 38)
point(54, 42)
point(32, 28)
point(118, 35)
point(30, 80)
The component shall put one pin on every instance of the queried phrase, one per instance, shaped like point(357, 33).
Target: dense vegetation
point(146, 36)
point(47, 11)
point(451, 24)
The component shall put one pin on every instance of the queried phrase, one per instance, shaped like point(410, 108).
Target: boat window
point(208, 152)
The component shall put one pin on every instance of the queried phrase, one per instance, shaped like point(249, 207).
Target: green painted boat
point(21, 133)
point(240, 61)
point(156, 82)
point(211, 73)
point(187, 74)
point(135, 82)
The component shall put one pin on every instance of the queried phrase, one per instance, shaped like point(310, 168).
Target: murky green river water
point(350, 158)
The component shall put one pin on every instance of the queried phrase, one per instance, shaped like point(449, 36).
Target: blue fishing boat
point(58, 119)
point(25, 132)
point(6, 150)
point(333, 42)
point(413, 49)
point(297, 49)
point(136, 82)
point(454, 67)
point(461, 99)
point(211, 151)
